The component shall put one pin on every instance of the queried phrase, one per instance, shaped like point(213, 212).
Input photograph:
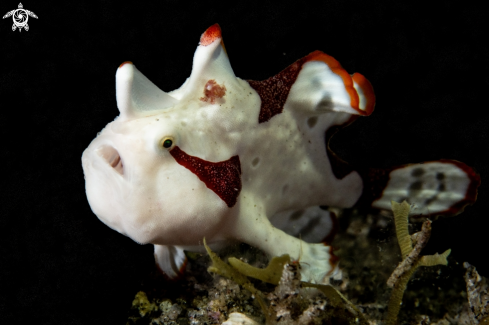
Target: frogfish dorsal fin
point(137, 96)
point(318, 83)
point(210, 63)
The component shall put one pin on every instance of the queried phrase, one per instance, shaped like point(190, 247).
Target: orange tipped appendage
point(348, 80)
point(210, 35)
point(336, 67)
point(125, 62)
point(368, 92)
point(274, 90)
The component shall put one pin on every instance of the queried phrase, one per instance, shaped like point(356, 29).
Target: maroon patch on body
point(224, 177)
point(273, 91)
point(213, 91)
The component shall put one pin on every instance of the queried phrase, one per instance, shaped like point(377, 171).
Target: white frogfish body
point(220, 157)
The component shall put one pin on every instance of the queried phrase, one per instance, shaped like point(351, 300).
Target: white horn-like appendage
point(210, 62)
point(137, 96)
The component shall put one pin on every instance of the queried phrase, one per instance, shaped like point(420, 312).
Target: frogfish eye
point(167, 143)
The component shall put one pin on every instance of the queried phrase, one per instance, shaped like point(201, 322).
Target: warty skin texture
point(140, 188)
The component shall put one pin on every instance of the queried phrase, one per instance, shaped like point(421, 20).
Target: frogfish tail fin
point(442, 187)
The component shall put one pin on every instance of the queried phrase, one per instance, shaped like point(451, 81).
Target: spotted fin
point(443, 187)
point(170, 260)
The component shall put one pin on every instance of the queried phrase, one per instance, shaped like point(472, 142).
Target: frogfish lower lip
point(112, 157)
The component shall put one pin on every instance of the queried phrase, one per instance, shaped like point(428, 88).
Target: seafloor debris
point(411, 260)
point(477, 295)
point(292, 301)
point(368, 254)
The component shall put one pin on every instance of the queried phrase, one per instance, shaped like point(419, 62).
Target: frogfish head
point(133, 182)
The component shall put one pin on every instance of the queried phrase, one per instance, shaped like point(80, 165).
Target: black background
point(60, 264)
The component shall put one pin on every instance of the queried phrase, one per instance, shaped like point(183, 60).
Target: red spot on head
point(224, 177)
point(125, 62)
point(210, 35)
point(213, 91)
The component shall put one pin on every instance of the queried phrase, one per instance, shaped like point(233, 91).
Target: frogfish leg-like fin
point(313, 224)
point(443, 187)
point(170, 260)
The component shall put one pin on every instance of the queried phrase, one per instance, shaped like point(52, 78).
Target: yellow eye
point(167, 142)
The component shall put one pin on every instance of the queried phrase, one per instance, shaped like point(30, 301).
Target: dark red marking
point(224, 177)
point(210, 35)
point(213, 91)
point(333, 259)
point(273, 91)
point(125, 62)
